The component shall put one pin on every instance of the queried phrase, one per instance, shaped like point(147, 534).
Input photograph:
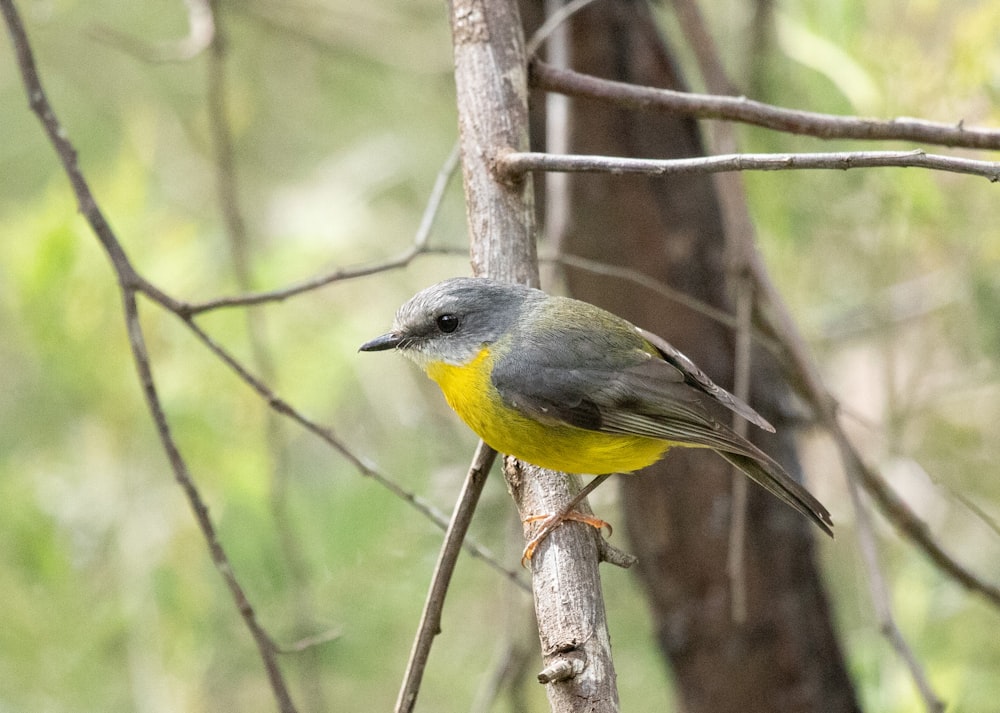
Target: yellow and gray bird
point(568, 386)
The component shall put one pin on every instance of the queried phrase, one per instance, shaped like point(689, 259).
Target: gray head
point(452, 320)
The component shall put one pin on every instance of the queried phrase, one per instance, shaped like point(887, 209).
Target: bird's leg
point(551, 521)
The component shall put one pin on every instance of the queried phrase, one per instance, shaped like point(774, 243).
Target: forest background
point(340, 118)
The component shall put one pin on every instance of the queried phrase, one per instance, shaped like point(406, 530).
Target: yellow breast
point(470, 392)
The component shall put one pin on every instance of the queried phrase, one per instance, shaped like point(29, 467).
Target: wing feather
point(645, 388)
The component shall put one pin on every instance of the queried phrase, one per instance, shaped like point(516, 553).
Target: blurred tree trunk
point(785, 656)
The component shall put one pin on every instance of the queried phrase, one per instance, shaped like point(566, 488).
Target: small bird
point(568, 386)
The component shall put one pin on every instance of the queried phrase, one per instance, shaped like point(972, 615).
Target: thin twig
point(810, 385)
point(363, 466)
point(430, 620)
point(741, 109)
point(910, 525)
point(654, 285)
point(310, 642)
point(973, 507)
point(824, 405)
point(552, 22)
point(418, 247)
point(265, 644)
point(515, 163)
point(881, 598)
point(740, 239)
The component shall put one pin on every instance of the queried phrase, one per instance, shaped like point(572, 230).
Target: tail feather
point(773, 478)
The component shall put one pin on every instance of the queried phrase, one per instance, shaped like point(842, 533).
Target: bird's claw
point(553, 520)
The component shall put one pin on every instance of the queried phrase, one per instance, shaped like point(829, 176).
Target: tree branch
point(492, 108)
point(430, 620)
point(748, 111)
point(515, 163)
point(418, 247)
point(881, 599)
point(363, 466)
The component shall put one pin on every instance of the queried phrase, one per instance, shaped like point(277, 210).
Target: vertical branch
point(493, 117)
point(491, 81)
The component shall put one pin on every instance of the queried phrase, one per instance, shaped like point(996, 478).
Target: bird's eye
point(447, 323)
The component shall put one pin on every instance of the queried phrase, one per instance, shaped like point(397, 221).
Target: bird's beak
point(390, 340)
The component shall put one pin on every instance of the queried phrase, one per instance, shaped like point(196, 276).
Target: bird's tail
point(773, 478)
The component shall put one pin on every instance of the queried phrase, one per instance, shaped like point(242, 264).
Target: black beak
point(379, 344)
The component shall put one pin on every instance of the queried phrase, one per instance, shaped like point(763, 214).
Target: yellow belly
point(470, 393)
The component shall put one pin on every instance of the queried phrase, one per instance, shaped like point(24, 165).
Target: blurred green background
point(342, 114)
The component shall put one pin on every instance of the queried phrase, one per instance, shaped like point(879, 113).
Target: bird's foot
point(550, 522)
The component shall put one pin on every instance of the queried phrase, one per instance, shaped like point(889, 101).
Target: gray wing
point(648, 397)
point(645, 388)
point(699, 379)
point(662, 396)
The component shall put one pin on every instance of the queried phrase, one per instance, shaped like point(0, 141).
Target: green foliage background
point(342, 114)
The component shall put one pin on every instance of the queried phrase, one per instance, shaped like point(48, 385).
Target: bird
point(568, 386)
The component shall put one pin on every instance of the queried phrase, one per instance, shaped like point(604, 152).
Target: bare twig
point(856, 470)
point(702, 45)
point(430, 620)
point(741, 109)
point(740, 236)
point(973, 507)
point(310, 642)
point(515, 163)
point(554, 33)
point(881, 598)
point(362, 465)
point(493, 112)
point(418, 247)
point(660, 288)
point(823, 405)
point(552, 22)
point(326, 434)
point(908, 523)
point(265, 644)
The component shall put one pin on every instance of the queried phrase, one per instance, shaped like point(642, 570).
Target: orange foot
point(550, 522)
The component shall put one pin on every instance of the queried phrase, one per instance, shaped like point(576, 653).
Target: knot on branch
point(564, 666)
point(504, 170)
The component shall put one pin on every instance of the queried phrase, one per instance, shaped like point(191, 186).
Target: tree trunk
point(493, 116)
point(784, 656)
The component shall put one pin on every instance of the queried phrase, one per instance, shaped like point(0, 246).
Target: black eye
point(447, 323)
